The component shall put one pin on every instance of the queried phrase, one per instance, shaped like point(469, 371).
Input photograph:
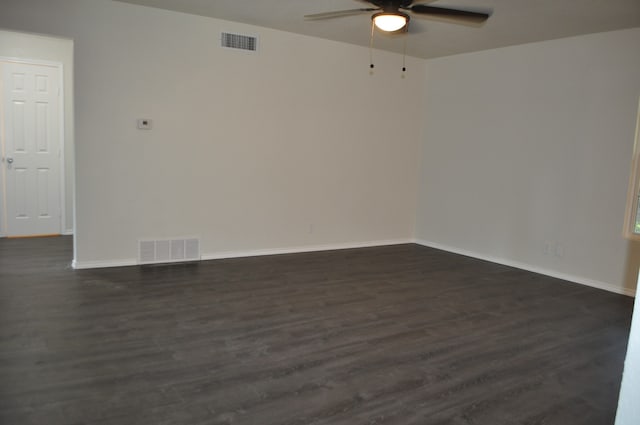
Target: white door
point(31, 159)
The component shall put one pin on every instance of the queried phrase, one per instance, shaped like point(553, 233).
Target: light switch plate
point(145, 124)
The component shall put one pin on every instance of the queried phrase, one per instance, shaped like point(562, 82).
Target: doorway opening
point(36, 135)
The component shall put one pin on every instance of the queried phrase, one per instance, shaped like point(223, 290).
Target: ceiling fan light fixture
point(390, 22)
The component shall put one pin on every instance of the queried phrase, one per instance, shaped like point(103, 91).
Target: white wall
point(27, 46)
point(298, 147)
point(529, 147)
point(628, 407)
point(295, 146)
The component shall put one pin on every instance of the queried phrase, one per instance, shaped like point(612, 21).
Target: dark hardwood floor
point(390, 335)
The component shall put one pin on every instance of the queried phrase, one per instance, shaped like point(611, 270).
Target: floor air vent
point(157, 251)
point(238, 41)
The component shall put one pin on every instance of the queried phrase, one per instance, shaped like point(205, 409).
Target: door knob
point(9, 160)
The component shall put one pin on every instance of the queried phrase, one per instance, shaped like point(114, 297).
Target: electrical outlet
point(553, 248)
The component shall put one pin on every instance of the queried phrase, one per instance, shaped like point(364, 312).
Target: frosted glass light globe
point(390, 22)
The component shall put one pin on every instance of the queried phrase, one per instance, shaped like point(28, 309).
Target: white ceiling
point(513, 21)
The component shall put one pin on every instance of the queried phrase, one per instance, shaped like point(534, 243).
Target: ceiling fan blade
point(462, 16)
point(339, 13)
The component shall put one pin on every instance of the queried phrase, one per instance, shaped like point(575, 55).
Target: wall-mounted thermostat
point(144, 124)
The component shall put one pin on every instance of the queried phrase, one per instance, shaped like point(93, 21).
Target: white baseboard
point(81, 265)
point(300, 249)
point(67, 232)
point(531, 268)
point(249, 253)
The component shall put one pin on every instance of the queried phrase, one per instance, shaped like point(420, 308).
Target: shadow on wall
point(632, 265)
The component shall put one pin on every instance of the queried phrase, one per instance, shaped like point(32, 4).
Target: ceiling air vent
point(238, 41)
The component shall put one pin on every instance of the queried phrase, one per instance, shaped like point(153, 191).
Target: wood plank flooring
point(390, 335)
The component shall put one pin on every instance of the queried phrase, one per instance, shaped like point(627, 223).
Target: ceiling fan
point(390, 15)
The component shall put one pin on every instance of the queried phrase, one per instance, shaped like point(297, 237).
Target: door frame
point(61, 145)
